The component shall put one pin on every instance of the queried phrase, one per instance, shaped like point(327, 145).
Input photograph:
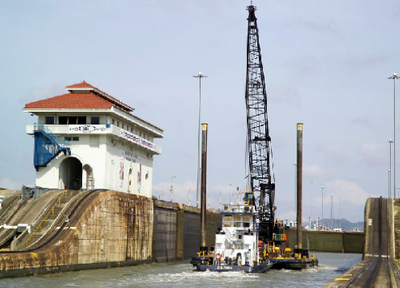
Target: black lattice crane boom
point(259, 140)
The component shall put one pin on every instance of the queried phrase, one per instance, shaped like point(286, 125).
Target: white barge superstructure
point(237, 240)
point(237, 246)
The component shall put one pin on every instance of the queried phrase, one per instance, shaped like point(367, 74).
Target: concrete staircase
point(45, 221)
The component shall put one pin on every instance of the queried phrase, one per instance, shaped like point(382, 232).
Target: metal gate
point(191, 235)
point(164, 246)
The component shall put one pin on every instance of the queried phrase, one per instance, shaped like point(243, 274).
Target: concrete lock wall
point(396, 218)
point(328, 241)
point(184, 221)
point(108, 229)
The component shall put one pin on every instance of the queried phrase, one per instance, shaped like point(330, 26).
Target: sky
point(326, 65)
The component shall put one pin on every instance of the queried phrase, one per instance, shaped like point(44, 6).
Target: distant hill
point(340, 223)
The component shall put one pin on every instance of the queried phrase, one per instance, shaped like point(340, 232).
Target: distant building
point(89, 139)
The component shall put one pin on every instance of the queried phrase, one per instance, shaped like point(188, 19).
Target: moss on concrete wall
point(107, 227)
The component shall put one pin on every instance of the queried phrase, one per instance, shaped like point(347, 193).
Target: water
point(181, 274)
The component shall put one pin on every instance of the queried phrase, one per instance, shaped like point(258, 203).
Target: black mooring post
point(203, 183)
point(299, 183)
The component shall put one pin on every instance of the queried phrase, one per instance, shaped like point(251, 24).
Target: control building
point(88, 139)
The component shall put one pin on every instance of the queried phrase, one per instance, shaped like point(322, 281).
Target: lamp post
point(162, 193)
point(200, 76)
point(322, 218)
point(390, 169)
point(394, 77)
point(230, 193)
point(311, 199)
point(220, 201)
point(172, 188)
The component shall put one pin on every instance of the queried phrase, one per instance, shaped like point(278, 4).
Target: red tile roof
point(72, 101)
point(77, 99)
point(83, 84)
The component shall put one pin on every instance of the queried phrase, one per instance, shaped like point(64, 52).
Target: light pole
point(230, 193)
point(394, 77)
point(200, 76)
point(172, 188)
point(220, 201)
point(162, 193)
point(390, 169)
point(190, 200)
point(311, 199)
point(322, 218)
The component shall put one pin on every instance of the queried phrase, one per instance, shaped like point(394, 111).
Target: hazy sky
point(326, 64)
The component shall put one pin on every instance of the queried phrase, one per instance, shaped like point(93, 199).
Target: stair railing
point(51, 135)
point(228, 234)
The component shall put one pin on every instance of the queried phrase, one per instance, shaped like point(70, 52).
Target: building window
point(71, 138)
point(49, 120)
point(132, 129)
point(63, 120)
point(95, 120)
point(81, 120)
point(71, 120)
point(117, 123)
point(113, 121)
point(123, 126)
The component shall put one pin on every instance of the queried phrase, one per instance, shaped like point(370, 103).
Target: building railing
point(65, 130)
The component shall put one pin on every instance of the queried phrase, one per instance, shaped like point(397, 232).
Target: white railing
point(98, 129)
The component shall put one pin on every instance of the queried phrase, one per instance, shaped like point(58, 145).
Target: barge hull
point(262, 268)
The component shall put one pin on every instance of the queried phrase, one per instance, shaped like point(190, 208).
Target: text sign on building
point(136, 139)
point(87, 128)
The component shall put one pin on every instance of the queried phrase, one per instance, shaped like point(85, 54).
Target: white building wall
point(120, 159)
point(110, 155)
point(92, 155)
point(111, 164)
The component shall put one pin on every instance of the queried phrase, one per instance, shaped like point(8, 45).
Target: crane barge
point(250, 239)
